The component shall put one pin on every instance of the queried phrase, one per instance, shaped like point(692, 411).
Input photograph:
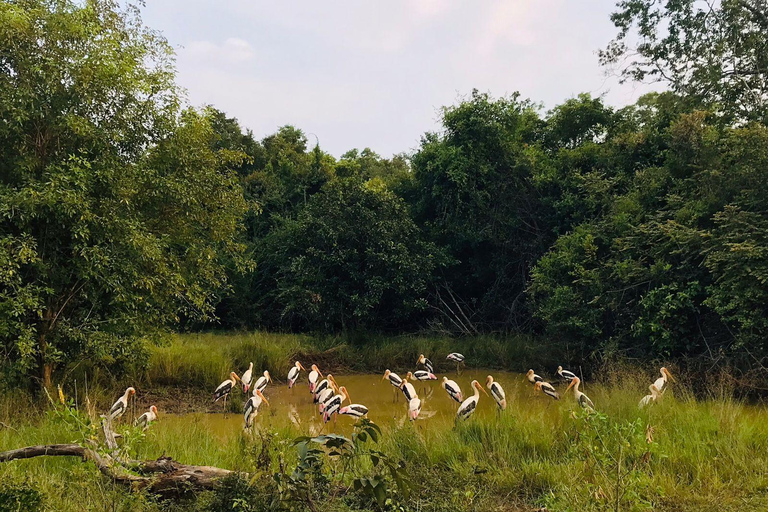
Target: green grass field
point(684, 454)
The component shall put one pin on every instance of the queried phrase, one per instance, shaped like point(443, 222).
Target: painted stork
point(293, 374)
point(395, 380)
point(223, 389)
point(547, 389)
point(414, 408)
point(533, 378)
point(121, 405)
point(456, 358)
point(325, 396)
point(313, 377)
point(251, 408)
point(566, 375)
point(469, 405)
point(356, 410)
point(334, 404)
point(497, 392)
point(408, 390)
point(421, 375)
point(661, 382)
point(649, 399)
point(247, 378)
point(261, 384)
point(426, 362)
point(581, 398)
point(145, 419)
point(453, 389)
point(327, 383)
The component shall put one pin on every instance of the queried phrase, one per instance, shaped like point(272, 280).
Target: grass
point(685, 454)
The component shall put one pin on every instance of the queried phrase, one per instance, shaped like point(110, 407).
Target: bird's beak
point(302, 368)
point(384, 377)
point(263, 397)
point(269, 377)
point(481, 388)
point(670, 376)
point(569, 386)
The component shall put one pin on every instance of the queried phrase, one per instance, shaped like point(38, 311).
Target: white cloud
point(231, 51)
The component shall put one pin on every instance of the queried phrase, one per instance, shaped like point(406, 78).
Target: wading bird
point(661, 382)
point(426, 362)
point(421, 375)
point(356, 410)
point(293, 374)
point(261, 384)
point(322, 386)
point(395, 380)
point(414, 408)
point(581, 398)
point(547, 389)
point(121, 405)
point(334, 404)
point(649, 399)
point(452, 389)
point(313, 377)
point(533, 378)
point(408, 390)
point(223, 390)
point(325, 397)
point(565, 374)
point(148, 417)
point(497, 392)
point(247, 378)
point(457, 358)
point(469, 405)
point(251, 408)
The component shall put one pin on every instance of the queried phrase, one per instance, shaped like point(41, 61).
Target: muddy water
point(387, 406)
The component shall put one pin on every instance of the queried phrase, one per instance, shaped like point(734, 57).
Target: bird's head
point(477, 385)
point(130, 391)
point(421, 359)
point(529, 373)
point(387, 373)
point(559, 369)
point(537, 386)
point(445, 379)
point(153, 409)
point(343, 392)
point(298, 365)
point(266, 376)
point(665, 372)
point(408, 376)
point(261, 395)
point(489, 380)
point(250, 366)
point(574, 383)
point(234, 376)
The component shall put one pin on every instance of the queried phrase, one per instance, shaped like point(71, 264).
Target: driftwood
point(161, 476)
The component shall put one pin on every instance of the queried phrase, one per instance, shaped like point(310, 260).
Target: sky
point(364, 73)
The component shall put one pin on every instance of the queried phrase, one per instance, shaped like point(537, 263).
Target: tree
point(715, 53)
point(115, 211)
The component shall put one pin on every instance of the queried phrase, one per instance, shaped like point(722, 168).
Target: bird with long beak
point(566, 375)
point(532, 377)
point(247, 378)
point(223, 389)
point(251, 408)
point(334, 404)
point(649, 399)
point(426, 362)
point(145, 419)
point(422, 375)
point(261, 384)
point(396, 382)
point(546, 388)
point(414, 408)
point(121, 405)
point(313, 377)
point(468, 406)
point(325, 391)
point(661, 382)
point(452, 389)
point(355, 410)
point(293, 374)
point(322, 386)
point(581, 398)
point(497, 392)
point(408, 390)
point(456, 358)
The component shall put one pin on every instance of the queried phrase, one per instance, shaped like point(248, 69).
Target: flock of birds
point(330, 398)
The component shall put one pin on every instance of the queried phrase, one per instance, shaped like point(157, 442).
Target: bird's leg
point(225, 405)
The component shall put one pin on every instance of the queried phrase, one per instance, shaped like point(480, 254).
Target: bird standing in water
point(497, 392)
point(468, 406)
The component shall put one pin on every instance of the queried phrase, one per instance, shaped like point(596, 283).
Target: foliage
point(20, 496)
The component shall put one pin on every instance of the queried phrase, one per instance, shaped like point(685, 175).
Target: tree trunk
point(47, 372)
point(46, 367)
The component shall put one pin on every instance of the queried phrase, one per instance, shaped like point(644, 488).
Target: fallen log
point(162, 476)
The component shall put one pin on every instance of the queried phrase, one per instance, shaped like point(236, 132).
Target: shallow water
point(387, 405)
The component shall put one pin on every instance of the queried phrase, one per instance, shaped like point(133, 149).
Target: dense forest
point(126, 213)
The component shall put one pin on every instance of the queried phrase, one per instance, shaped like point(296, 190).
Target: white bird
point(334, 404)
point(426, 362)
point(422, 375)
point(313, 377)
point(565, 374)
point(325, 396)
point(395, 380)
point(293, 374)
point(148, 417)
point(581, 398)
point(356, 410)
point(247, 378)
point(547, 389)
point(452, 389)
point(121, 405)
point(661, 382)
point(648, 399)
point(321, 386)
point(457, 358)
point(223, 389)
point(414, 408)
point(497, 392)
point(251, 408)
point(408, 390)
point(261, 384)
point(532, 377)
point(469, 405)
